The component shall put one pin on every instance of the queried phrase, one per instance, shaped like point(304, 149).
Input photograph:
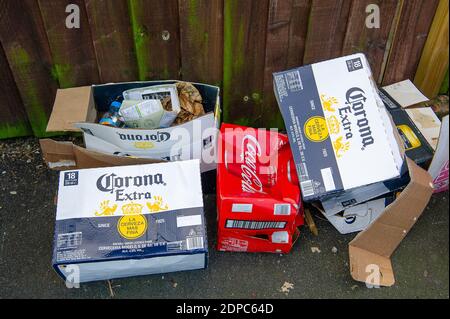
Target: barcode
point(69, 240)
point(194, 243)
point(255, 225)
point(294, 81)
point(307, 188)
point(282, 209)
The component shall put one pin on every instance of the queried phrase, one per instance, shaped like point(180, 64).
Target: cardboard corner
point(71, 106)
point(374, 246)
point(65, 155)
point(57, 155)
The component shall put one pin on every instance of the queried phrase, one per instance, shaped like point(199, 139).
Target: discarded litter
point(128, 222)
point(355, 152)
point(258, 204)
point(338, 128)
point(287, 287)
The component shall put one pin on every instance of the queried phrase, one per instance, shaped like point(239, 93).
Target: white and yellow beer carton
point(131, 220)
point(339, 130)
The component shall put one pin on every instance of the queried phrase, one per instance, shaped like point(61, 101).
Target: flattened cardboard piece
point(427, 122)
point(358, 217)
point(405, 93)
point(374, 246)
point(66, 155)
point(71, 106)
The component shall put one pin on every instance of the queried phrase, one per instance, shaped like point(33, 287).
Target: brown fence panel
point(374, 42)
point(25, 44)
point(245, 25)
point(410, 36)
point(236, 44)
point(285, 45)
point(201, 37)
point(13, 119)
point(74, 61)
point(326, 30)
point(156, 38)
point(112, 37)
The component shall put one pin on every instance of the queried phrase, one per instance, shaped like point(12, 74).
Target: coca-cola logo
point(251, 151)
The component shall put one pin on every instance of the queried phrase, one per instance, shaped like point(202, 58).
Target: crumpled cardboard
point(373, 247)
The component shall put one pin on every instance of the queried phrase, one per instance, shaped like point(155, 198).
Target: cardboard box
point(67, 156)
point(372, 248)
point(258, 209)
point(130, 220)
point(427, 122)
point(339, 130)
point(77, 109)
point(338, 203)
point(405, 93)
point(358, 217)
point(416, 146)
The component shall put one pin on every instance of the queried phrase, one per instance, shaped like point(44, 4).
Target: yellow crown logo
point(328, 103)
point(333, 124)
point(132, 209)
point(340, 147)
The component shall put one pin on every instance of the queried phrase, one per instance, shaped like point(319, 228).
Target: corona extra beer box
point(77, 110)
point(340, 133)
point(416, 146)
point(258, 197)
point(130, 220)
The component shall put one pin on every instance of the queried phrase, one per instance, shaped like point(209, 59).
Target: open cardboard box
point(376, 244)
point(78, 109)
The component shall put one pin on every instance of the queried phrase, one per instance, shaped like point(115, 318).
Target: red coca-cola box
point(259, 205)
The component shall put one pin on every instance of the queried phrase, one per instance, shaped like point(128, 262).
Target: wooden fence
point(236, 44)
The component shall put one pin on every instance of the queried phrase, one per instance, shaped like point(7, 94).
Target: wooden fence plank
point(13, 118)
point(113, 40)
point(74, 60)
point(201, 36)
point(285, 45)
point(326, 30)
point(156, 38)
point(371, 41)
point(25, 44)
point(444, 85)
point(433, 64)
point(410, 36)
point(245, 25)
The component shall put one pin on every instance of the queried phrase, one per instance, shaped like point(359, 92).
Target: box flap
point(66, 155)
point(90, 159)
point(72, 106)
point(375, 245)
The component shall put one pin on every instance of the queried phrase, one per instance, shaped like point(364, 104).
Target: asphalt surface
point(27, 213)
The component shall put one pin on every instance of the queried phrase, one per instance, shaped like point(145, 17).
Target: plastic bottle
point(112, 117)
